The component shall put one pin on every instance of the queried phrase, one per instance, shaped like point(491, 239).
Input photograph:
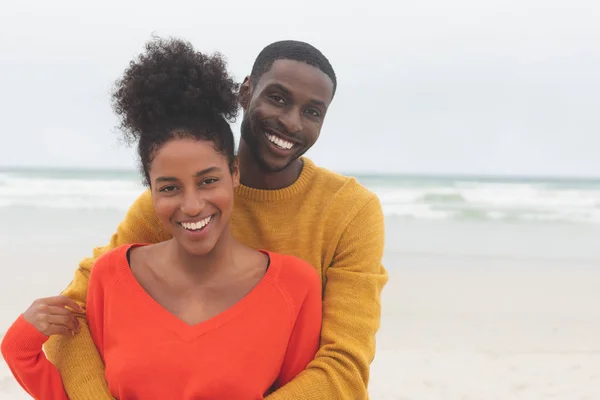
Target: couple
point(196, 296)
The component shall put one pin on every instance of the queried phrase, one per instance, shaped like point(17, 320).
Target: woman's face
point(192, 190)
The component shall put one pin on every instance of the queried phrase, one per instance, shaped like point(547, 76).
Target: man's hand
point(50, 317)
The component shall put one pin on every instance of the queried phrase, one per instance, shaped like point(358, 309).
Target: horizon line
point(363, 174)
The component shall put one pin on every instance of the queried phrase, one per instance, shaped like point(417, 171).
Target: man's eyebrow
point(282, 88)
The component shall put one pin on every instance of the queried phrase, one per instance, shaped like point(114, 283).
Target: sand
point(471, 334)
point(477, 311)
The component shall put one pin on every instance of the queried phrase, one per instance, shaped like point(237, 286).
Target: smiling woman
point(222, 320)
point(192, 190)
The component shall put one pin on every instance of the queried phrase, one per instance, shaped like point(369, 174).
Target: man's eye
point(277, 99)
point(313, 112)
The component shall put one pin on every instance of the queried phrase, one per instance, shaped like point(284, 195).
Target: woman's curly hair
point(172, 90)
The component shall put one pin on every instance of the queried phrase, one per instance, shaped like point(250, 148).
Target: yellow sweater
point(330, 221)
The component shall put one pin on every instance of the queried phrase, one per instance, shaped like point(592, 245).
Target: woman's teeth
point(195, 226)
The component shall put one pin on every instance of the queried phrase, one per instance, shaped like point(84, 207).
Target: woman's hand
point(50, 317)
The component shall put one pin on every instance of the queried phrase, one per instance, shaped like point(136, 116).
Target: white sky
point(429, 86)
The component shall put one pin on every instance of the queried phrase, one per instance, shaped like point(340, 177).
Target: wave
point(66, 193)
point(408, 198)
point(513, 201)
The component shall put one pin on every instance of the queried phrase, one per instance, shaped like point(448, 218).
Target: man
point(287, 204)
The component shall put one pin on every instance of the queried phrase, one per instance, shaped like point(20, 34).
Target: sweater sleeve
point(77, 358)
point(351, 315)
point(95, 301)
point(22, 351)
point(304, 340)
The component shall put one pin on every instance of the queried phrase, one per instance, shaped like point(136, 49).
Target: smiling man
point(286, 204)
point(279, 125)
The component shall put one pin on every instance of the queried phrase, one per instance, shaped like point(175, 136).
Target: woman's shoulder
point(295, 272)
point(112, 260)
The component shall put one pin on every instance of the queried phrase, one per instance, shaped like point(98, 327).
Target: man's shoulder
point(343, 187)
point(143, 203)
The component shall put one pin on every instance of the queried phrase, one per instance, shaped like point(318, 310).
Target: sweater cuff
point(22, 339)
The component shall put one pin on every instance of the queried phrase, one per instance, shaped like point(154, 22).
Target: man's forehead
point(294, 75)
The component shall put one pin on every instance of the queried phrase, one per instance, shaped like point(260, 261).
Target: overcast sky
point(428, 86)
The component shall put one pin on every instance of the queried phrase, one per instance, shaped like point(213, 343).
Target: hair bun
point(171, 82)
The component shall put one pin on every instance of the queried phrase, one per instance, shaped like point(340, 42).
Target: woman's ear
point(245, 93)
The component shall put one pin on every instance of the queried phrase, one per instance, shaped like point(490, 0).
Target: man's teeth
point(194, 226)
point(279, 142)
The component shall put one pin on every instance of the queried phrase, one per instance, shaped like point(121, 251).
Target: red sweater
point(257, 345)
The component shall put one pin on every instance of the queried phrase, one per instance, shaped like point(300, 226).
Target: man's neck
point(253, 176)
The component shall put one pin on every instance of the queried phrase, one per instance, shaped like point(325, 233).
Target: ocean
point(456, 198)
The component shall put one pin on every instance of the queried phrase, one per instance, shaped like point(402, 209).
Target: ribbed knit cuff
point(22, 339)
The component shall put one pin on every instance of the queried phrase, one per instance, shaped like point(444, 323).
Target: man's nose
point(292, 120)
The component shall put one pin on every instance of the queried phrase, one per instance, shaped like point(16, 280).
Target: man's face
point(284, 112)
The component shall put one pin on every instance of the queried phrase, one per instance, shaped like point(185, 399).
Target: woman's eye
point(209, 181)
point(168, 188)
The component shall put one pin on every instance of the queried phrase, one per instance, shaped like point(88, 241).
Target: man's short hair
point(291, 50)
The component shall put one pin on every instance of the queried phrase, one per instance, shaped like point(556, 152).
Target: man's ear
point(245, 93)
point(236, 172)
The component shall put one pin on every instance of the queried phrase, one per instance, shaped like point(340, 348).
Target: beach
point(475, 308)
point(516, 317)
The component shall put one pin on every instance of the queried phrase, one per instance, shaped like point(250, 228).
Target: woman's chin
point(197, 249)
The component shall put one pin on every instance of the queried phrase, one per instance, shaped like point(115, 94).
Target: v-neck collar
point(186, 331)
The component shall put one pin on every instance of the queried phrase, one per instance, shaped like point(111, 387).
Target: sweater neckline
point(288, 192)
point(183, 329)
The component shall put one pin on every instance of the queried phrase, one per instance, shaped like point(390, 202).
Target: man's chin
point(275, 166)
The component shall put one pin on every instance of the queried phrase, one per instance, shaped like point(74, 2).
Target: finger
point(62, 301)
point(43, 311)
point(69, 321)
point(45, 314)
point(49, 329)
point(55, 310)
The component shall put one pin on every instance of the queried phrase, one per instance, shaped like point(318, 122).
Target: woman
point(201, 315)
